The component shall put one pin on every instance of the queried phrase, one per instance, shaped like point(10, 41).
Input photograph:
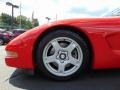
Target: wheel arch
point(65, 27)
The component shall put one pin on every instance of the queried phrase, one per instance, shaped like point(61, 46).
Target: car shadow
point(95, 80)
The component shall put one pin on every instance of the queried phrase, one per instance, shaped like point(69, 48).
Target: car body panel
point(17, 32)
point(6, 36)
point(103, 34)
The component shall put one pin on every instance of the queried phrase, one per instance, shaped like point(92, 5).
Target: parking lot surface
point(15, 79)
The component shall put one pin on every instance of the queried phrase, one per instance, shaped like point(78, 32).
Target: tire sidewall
point(55, 34)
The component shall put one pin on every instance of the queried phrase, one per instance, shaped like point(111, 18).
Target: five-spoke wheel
point(62, 54)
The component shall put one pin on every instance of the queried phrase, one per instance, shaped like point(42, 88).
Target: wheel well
point(70, 28)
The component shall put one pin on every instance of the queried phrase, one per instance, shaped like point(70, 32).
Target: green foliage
point(5, 20)
point(25, 22)
point(35, 22)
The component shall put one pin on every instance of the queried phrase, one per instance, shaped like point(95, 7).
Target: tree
point(25, 22)
point(5, 21)
point(5, 18)
point(28, 24)
point(35, 22)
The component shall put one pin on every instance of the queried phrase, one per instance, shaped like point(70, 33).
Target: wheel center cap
point(62, 56)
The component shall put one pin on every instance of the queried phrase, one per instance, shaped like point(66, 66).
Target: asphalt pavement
point(15, 79)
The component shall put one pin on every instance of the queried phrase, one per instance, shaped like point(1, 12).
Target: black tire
point(61, 33)
point(1, 41)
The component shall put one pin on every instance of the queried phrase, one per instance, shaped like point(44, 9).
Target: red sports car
point(62, 49)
